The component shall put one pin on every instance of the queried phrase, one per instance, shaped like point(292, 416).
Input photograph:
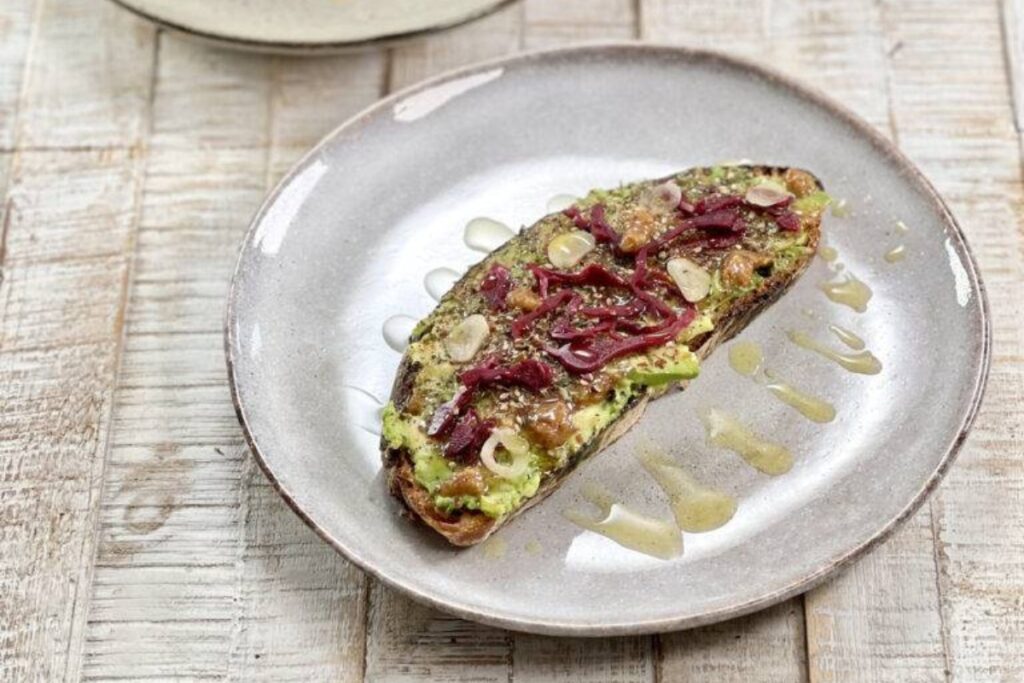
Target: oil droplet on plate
point(896, 254)
point(647, 535)
point(811, 407)
point(841, 208)
point(902, 227)
point(828, 253)
point(861, 362)
point(849, 292)
point(726, 431)
point(697, 508)
point(746, 358)
point(397, 330)
point(849, 338)
point(533, 547)
point(438, 281)
point(561, 202)
point(486, 234)
point(494, 548)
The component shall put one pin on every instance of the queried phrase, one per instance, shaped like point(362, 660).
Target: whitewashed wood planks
point(203, 571)
point(553, 24)
point(69, 219)
point(88, 77)
point(16, 21)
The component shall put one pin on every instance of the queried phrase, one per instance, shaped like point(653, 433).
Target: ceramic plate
point(345, 242)
point(307, 25)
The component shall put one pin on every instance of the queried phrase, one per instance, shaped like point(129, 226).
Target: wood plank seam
point(5, 226)
point(65, 148)
point(87, 566)
point(58, 635)
point(936, 556)
point(30, 50)
point(8, 203)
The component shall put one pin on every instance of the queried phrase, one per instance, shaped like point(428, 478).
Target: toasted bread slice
point(489, 415)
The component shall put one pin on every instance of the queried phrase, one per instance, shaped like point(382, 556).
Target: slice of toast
point(489, 415)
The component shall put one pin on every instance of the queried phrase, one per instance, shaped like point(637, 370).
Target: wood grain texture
point(69, 219)
point(17, 18)
point(955, 119)
point(766, 646)
point(552, 24)
point(203, 571)
point(407, 642)
point(89, 75)
point(540, 659)
point(69, 222)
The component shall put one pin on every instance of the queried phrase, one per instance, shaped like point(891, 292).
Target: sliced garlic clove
point(466, 338)
point(664, 197)
point(517, 447)
point(566, 250)
point(693, 280)
point(767, 194)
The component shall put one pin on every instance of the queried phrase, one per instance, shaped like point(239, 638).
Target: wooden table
point(138, 539)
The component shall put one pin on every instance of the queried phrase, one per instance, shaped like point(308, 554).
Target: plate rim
point(310, 48)
point(809, 579)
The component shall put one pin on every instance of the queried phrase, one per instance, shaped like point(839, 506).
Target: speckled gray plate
point(307, 26)
point(346, 239)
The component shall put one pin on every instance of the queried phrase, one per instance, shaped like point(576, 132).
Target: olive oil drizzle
point(811, 407)
point(495, 548)
point(439, 281)
point(896, 254)
point(828, 253)
point(397, 330)
point(486, 234)
point(847, 337)
point(696, 507)
point(848, 291)
point(655, 537)
point(726, 431)
point(745, 358)
point(862, 362)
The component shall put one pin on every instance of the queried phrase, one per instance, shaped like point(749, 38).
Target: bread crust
point(468, 528)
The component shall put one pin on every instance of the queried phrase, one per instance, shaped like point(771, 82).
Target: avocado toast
point(550, 348)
